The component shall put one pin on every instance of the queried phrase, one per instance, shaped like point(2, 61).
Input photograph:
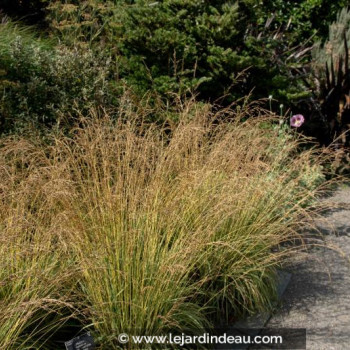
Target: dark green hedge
point(221, 50)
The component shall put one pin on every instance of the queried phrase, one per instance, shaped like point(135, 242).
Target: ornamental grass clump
point(125, 227)
point(36, 272)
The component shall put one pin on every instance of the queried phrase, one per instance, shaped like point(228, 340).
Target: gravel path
point(318, 296)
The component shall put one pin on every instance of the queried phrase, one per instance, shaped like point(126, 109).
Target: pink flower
point(297, 120)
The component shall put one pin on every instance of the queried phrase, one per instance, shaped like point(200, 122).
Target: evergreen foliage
point(220, 50)
point(44, 85)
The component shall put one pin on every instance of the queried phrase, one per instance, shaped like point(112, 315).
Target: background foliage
point(45, 85)
point(221, 50)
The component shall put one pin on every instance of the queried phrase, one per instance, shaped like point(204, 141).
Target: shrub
point(180, 46)
point(42, 85)
point(183, 46)
point(78, 23)
point(177, 46)
point(302, 19)
point(329, 112)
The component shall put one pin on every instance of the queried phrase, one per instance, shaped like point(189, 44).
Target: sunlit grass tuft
point(127, 228)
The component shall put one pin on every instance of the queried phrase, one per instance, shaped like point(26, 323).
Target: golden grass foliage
point(125, 227)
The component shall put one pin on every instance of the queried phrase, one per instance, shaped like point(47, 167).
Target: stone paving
point(318, 295)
